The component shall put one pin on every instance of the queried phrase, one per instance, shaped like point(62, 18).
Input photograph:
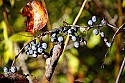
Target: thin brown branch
point(76, 19)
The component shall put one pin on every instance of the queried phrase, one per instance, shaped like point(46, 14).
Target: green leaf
point(22, 36)
point(93, 41)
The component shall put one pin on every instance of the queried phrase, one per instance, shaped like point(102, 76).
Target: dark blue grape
point(90, 22)
point(13, 69)
point(81, 39)
point(73, 38)
point(60, 39)
point(102, 34)
point(95, 31)
point(85, 42)
point(94, 18)
point(40, 50)
point(103, 22)
point(65, 29)
point(53, 39)
point(70, 31)
point(34, 47)
point(34, 55)
point(76, 44)
point(108, 44)
point(53, 35)
point(6, 69)
point(27, 46)
point(33, 42)
point(39, 44)
point(44, 45)
point(75, 29)
point(27, 52)
point(30, 52)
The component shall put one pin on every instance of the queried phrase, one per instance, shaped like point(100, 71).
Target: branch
point(120, 71)
point(52, 61)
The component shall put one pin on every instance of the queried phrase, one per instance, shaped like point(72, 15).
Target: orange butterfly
point(37, 16)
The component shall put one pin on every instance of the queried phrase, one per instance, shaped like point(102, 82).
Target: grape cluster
point(13, 69)
point(34, 49)
point(73, 35)
point(97, 30)
point(58, 35)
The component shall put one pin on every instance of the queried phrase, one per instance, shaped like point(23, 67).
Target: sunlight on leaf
point(93, 41)
point(123, 3)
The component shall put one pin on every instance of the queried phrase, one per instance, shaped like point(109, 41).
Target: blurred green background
point(83, 64)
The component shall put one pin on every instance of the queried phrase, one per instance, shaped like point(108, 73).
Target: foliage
point(82, 64)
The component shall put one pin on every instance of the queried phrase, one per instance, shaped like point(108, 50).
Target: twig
point(76, 19)
point(120, 71)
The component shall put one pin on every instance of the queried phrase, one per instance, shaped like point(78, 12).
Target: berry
point(108, 44)
point(70, 31)
point(13, 69)
point(81, 39)
point(94, 18)
point(27, 46)
point(53, 39)
point(38, 44)
point(102, 34)
point(53, 35)
point(103, 22)
point(35, 54)
point(73, 38)
point(6, 69)
point(33, 42)
point(65, 29)
point(30, 52)
point(76, 44)
point(27, 52)
point(34, 47)
point(75, 29)
point(44, 45)
point(85, 42)
point(60, 39)
point(40, 50)
point(95, 31)
point(90, 22)
point(105, 40)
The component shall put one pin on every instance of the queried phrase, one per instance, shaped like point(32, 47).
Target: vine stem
point(120, 71)
point(76, 19)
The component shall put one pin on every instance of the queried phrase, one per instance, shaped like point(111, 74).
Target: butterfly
point(37, 16)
